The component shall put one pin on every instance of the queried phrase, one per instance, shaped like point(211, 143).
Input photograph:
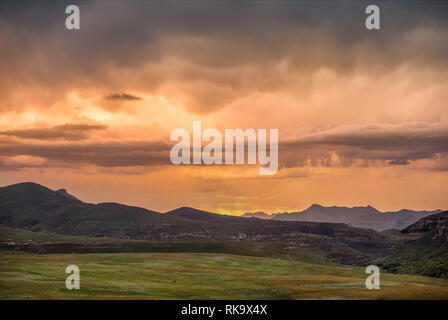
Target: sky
point(362, 114)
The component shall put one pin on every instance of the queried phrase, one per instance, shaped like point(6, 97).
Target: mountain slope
point(33, 207)
point(66, 194)
point(200, 215)
point(426, 251)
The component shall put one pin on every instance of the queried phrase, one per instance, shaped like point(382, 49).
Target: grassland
point(198, 276)
point(133, 253)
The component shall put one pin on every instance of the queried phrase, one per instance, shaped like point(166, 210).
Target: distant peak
point(27, 183)
point(64, 193)
point(258, 214)
point(366, 207)
point(188, 210)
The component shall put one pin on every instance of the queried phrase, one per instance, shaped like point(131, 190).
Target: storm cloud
point(122, 96)
point(211, 52)
point(107, 154)
point(369, 145)
point(394, 144)
point(65, 131)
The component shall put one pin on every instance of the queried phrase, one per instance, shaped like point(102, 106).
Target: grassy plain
point(198, 276)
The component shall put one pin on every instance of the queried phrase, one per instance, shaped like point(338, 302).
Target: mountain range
point(32, 207)
point(360, 217)
point(419, 248)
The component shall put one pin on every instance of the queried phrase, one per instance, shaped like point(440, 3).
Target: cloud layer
point(66, 131)
point(208, 54)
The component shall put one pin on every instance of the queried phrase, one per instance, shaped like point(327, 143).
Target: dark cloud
point(16, 163)
point(66, 131)
point(122, 97)
point(399, 162)
point(107, 154)
point(132, 44)
point(368, 145)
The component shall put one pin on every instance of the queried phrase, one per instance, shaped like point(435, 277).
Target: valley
point(199, 276)
point(127, 252)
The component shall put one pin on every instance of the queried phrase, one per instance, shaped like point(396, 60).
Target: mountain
point(434, 227)
point(200, 215)
point(424, 252)
point(66, 194)
point(30, 206)
point(360, 217)
point(259, 215)
point(420, 248)
point(33, 207)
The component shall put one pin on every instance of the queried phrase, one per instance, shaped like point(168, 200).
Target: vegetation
point(38, 242)
point(33, 207)
point(198, 276)
point(425, 253)
point(132, 253)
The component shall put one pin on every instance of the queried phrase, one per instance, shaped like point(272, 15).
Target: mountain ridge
point(36, 208)
point(420, 248)
point(66, 194)
point(424, 250)
point(358, 216)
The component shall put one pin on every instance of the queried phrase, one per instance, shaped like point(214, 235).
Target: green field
point(198, 276)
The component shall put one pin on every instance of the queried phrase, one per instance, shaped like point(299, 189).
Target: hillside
point(61, 223)
point(65, 193)
point(200, 215)
point(426, 250)
point(33, 207)
point(30, 206)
